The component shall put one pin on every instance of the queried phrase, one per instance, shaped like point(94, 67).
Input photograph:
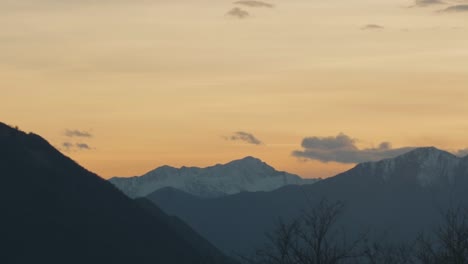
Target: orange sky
point(165, 82)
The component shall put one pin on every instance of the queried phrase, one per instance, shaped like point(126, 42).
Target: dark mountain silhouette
point(54, 211)
point(394, 198)
point(186, 232)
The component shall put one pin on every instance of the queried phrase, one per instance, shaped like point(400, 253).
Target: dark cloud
point(245, 137)
point(428, 2)
point(67, 145)
point(253, 3)
point(343, 149)
point(372, 27)
point(82, 146)
point(456, 8)
point(238, 13)
point(77, 133)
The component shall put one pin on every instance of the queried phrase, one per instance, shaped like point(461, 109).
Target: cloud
point(245, 137)
point(372, 27)
point(67, 145)
point(82, 146)
point(77, 133)
point(253, 3)
point(343, 149)
point(238, 13)
point(456, 8)
point(428, 2)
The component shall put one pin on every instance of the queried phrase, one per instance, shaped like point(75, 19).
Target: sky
point(310, 87)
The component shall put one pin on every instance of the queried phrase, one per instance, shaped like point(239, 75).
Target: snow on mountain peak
point(247, 174)
point(427, 164)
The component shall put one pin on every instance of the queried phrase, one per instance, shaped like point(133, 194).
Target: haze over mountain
point(248, 174)
point(55, 211)
point(393, 198)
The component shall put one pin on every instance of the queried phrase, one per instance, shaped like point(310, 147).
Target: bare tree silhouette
point(449, 243)
point(312, 238)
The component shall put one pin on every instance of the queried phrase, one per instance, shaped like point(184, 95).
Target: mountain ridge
point(430, 164)
point(402, 196)
point(55, 211)
point(246, 174)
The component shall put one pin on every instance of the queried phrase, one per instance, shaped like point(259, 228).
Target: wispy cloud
point(238, 13)
point(77, 133)
point(372, 27)
point(453, 5)
point(423, 3)
point(82, 146)
point(343, 149)
point(245, 137)
point(78, 144)
point(456, 8)
point(68, 146)
point(253, 3)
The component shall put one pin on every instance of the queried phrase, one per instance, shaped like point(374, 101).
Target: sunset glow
point(172, 82)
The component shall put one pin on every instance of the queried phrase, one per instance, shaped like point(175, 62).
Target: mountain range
point(55, 211)
point(394, 198)
point(245, 175)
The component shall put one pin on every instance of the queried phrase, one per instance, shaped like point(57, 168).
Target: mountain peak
point(248, 161)
point(6, 130)
point(425, 165)
point(54, 209)
point(251, 158)
point(427, 154)
point(164, 168)
point(247, 174)
point(424, 151)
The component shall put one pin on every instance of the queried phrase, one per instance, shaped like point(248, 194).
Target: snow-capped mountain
point(422, 166)
point(395, 198)
point(247, 174)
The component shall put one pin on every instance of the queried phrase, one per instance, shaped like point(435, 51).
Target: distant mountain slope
point(397, 197)
point(54, 211)
point(248, 174)
point(185, 232)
